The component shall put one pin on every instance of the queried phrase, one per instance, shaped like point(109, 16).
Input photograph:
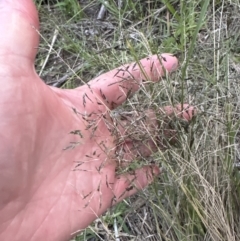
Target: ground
point(197, 195)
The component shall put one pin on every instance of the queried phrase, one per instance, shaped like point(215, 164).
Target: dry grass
point(197, 196)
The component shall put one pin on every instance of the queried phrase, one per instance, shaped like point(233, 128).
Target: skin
point(44, 196)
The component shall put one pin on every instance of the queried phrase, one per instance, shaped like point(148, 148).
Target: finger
point(117, 85)
point(137, 131)
point(142, 135)
point(128, 184)
point(185, 111)
point(19, 38)
point(175, 119)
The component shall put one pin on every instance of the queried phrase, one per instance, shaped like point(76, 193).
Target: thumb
point(19, 38)
point(130, 183)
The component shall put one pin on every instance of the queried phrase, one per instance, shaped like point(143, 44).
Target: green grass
point(197, 196)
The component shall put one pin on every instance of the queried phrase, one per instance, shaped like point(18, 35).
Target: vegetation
point(197, 197)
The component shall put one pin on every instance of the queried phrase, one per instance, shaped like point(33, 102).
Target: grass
point(197, 196)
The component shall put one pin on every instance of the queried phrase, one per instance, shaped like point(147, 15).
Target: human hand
point(57, 148)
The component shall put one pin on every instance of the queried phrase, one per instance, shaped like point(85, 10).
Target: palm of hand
point(44, 187)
